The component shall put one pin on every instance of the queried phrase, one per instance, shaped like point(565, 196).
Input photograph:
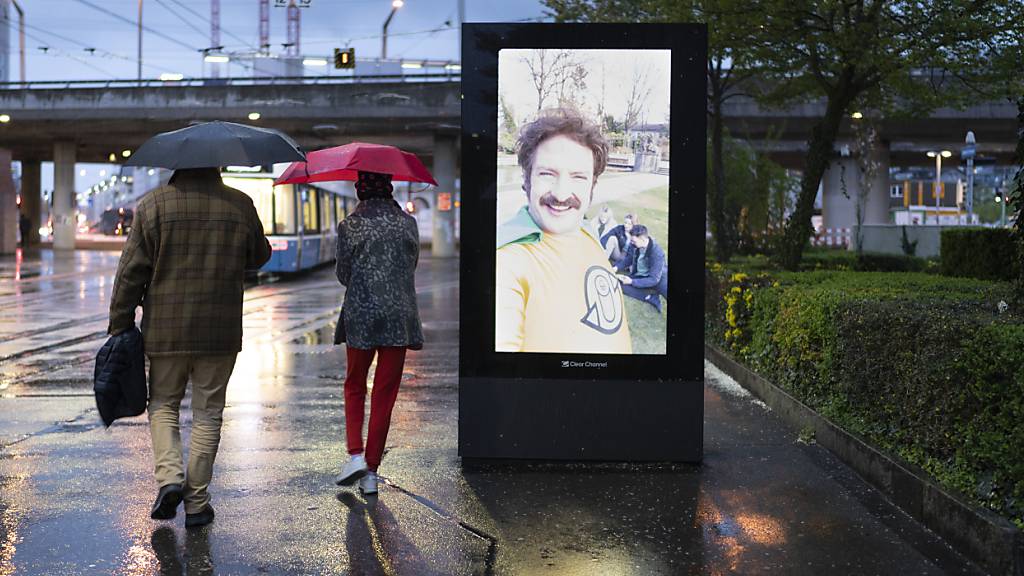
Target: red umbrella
point(344, 162)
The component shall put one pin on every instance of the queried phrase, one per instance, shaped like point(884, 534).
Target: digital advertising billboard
point(582, 237)
point(582, 201)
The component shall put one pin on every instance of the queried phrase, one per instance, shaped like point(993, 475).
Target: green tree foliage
point(888, 55)
point(757, 197)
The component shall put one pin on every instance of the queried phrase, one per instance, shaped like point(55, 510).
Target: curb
point(984, 537)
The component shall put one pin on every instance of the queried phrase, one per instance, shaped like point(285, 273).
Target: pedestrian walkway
point(74, 497)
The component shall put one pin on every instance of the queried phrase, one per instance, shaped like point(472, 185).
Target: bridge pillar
point(443, 241)
point(8, 206)
point(64, 195)
point(841, 186)
point(31, 198)
point(878, 198)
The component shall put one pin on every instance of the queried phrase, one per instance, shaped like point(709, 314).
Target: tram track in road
point(52, 328)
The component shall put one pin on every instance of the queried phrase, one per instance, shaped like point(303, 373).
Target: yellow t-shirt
point(558, 294)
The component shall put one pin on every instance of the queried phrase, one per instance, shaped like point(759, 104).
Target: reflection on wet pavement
point(74, 497)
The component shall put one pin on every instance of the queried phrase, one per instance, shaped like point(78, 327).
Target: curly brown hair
point(560, 122)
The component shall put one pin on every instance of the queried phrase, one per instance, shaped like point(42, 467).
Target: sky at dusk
point(97, 39)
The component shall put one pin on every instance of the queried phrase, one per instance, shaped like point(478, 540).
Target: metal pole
point(462, 18)
point(970, 190)
point(140, 41)
point(384, 36)
point(21, 38)
point(938, 183)
point(1002, 212)
point(969, 151)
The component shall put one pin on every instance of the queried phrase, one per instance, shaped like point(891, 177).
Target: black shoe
point(654, 300)
point(201, 518)
point(167, 500)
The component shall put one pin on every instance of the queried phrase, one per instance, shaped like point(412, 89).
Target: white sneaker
point(353, 470)
point(368, 483)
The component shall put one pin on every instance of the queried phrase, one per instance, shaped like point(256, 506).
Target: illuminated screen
point(582, 201)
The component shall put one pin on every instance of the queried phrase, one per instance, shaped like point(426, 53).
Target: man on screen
point(554, 289)
point(643, 270)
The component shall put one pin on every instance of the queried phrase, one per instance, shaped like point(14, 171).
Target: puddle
point(322, 335)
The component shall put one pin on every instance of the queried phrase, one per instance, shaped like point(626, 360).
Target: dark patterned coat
point(378, 248)
point(184, 262)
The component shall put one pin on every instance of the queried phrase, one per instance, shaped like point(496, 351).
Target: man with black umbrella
point(184, 262)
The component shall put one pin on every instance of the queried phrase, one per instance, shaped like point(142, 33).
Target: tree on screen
point(557, 73)
point(636, 100)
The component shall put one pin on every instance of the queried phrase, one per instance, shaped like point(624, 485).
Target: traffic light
point(345, 58)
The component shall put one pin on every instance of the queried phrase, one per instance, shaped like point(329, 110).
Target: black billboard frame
point(582, 406)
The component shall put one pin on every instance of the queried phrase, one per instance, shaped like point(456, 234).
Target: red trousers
point(386, 379)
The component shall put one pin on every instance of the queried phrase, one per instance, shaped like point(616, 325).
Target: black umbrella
point(215, 144)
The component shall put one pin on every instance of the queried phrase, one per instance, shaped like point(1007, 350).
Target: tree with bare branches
point(636, 100)
point(551, 71)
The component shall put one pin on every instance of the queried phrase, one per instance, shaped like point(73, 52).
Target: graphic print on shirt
point(603, 299)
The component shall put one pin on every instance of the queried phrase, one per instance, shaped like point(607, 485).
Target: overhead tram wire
point(58, 53)
point(136, 23)
point(377, 36)
point(152, 31)
point(414, 33)
point(432, 34)
point(187, 22)
point(105, 53)
point(206, 20)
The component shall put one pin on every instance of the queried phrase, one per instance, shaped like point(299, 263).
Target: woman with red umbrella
point(378, 248)
point(377, 253)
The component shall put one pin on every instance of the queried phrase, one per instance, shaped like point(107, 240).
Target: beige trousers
point(168, 376)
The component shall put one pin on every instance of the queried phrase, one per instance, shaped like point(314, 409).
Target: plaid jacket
point(184, 262)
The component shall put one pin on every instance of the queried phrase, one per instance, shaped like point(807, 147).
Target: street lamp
point(395, 5)
point(938, 155)
point(968, 152)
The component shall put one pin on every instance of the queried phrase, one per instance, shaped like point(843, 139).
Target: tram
point(300, 220)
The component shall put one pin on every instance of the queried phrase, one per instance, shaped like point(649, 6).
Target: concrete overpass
point(783, 132)
point(69, 122)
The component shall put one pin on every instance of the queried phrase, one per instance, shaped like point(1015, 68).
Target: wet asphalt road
point(74, 497)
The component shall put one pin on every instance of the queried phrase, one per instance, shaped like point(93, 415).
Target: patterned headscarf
point(373, 185)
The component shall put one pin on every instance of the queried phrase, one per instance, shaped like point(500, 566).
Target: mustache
point(550, 200)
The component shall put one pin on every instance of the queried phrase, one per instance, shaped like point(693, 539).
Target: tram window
point(284, 209)
point(261, 190)
point(325, 212)
point(339, 207)
point(309, 219)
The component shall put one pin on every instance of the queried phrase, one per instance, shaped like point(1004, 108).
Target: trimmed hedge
point(986, 253)
point(872, 262)
point(924, 366)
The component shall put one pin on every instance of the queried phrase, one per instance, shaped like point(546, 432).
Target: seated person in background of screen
point(643, 270)
point(616, 240)
point(603, 224)
point(554, 290)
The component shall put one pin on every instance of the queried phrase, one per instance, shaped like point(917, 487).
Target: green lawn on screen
point(647, 327)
